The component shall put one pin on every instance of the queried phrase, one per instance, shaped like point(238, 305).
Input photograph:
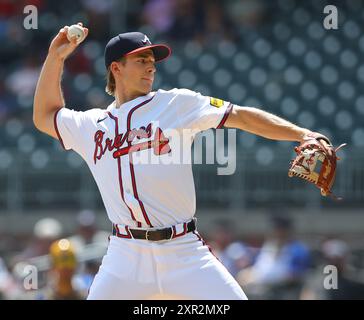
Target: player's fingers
point(63, 32)
point(74, 40)
point(61, 36)
point(80, 24)
point(86, 31)
point(327, 147)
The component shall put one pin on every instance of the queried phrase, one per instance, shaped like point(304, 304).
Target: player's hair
point(110, 80)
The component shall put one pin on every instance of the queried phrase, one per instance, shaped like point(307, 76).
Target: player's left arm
point(264, 124)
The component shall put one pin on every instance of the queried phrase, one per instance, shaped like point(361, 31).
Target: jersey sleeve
point(73, 128)
point(201, 112)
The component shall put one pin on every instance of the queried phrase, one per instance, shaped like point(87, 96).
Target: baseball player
point(155, 250)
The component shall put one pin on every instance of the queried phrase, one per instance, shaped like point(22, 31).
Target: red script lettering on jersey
point(159, 143)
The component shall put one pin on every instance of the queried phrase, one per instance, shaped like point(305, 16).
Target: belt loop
point(128, 231)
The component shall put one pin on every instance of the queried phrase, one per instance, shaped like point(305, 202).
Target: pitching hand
point(61, 46)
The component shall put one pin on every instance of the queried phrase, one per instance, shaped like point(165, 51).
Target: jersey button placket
point(124, 161)
point(127, 181)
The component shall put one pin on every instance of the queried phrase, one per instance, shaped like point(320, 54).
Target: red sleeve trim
point(223, 120)
point(56, 128)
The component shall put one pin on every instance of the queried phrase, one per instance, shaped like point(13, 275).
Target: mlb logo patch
point(216, 102)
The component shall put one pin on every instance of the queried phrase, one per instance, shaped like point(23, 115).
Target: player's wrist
point(55, 57)
point(319, 136)
point(304, 134)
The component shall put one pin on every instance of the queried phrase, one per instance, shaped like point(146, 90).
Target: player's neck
point(123, 96)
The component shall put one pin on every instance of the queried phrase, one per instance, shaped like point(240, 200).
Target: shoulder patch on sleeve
point(216, 102)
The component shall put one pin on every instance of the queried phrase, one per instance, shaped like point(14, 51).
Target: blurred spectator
point(280, 266)
point(87, 233)
point(9, 288)
point(84, 277)
point(7, 8)
point(23, 80)
point(335, 253)
point(246, 13)
point(217, 26)
point(59, 285)
point(7, 102)
point(159, 14)
point(188, 21)
point(63, 267)
point(232, 253)
point(98, 13)
point(90, 244)
point(79, 63)
point(45, 232)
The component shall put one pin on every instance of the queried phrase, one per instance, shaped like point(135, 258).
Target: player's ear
point(115, 67)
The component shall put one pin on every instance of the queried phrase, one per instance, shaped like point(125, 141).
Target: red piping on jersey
point(204, 243)
point(132, 166)
point(223, 120)
point(56, 128)
point(176, 235)
point(119, 171)
point(120, 235)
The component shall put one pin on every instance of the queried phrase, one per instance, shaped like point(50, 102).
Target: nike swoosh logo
point(101, 119)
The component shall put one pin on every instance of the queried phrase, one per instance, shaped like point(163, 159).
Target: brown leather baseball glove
point(316, 162)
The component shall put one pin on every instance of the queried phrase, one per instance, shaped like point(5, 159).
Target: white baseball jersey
point(135, 193)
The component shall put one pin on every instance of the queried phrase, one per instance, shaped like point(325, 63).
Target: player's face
point(138, 72)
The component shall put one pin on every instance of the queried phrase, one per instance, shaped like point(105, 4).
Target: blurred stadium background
point(274, 55)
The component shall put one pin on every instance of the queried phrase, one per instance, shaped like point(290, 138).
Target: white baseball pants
point(182, 268)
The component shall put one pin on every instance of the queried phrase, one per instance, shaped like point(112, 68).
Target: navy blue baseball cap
point(132, 42)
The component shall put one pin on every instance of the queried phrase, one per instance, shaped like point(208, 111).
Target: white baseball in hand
point(76, 30)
